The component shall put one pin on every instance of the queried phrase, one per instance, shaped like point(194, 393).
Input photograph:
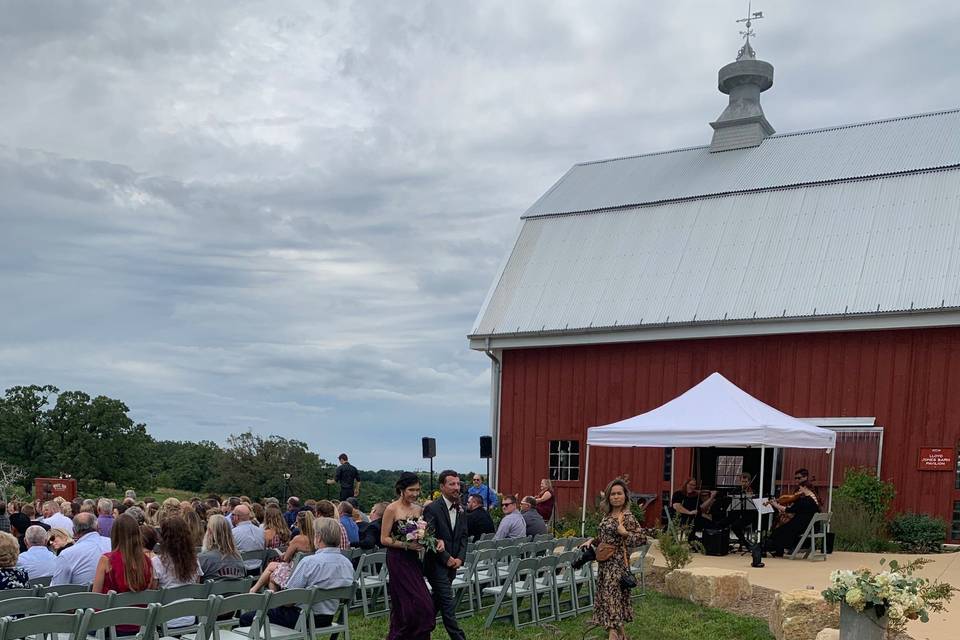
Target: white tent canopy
point(714, 413)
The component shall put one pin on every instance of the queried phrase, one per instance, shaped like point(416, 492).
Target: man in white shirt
point(38, 561)
point(246, 535)
point(53, 517)
point(78, 564)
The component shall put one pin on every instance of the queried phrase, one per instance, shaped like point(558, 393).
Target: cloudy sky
point(284, 216)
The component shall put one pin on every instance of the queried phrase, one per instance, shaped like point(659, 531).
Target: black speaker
point(716, 542)
point(486, 447)
point(429, 447)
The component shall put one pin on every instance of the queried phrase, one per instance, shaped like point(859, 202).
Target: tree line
point(51, 433)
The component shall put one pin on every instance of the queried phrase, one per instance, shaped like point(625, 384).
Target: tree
point(9, 475)
point(255, 466)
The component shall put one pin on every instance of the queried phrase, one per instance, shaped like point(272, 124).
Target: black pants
point(786, 536)
point(287, 617)
point(345, 493)
point(443, 602)
point(696, 523)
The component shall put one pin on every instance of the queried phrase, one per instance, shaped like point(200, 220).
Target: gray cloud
point(285, 216)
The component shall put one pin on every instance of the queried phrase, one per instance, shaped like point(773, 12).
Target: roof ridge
point(788, 134)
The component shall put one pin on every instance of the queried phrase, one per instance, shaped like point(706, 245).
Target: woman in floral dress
point(612, 608)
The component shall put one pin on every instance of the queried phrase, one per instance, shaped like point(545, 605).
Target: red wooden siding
point(908, 379)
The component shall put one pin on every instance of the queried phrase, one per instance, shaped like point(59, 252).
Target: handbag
point(627, 581)
point(605, 551)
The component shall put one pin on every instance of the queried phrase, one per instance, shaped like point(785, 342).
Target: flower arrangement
point(895, 592)
point(415, 530)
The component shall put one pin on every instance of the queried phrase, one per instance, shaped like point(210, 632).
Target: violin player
point(796, 511)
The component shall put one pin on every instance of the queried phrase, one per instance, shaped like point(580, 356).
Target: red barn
point(817, 270)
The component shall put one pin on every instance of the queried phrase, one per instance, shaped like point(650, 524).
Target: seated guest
point(687, 503)
point(105, 517)
point(512, 525)
point(487, 495)
point(370, 531)
point(346, 519)
point(127, 568)
point(149, 539)
point(38, 561)
point(293, 508)
point(58, 540)
point(219, 557)
point(176, 563)
point(53, 517)
point(358, 515)
point(11, 576)
point(534, 521)
point(276, 533)
point(479, 521)
point(197, 525)
point(325, 509)
point(4, 518)
point(246, 535)
point(545, 499)
point(276, 574)
point(325, 569)
point(794, 517)
point(78, 564)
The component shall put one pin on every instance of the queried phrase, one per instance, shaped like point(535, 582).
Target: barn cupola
point(742, 124)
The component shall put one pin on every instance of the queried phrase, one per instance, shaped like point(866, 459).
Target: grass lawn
point(656, 617)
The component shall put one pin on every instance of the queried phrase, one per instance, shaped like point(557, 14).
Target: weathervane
point(752, 15)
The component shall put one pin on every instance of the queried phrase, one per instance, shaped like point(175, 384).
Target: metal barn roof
point(896, 145)
point(868, 246)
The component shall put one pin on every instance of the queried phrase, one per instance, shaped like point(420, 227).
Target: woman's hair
point(273, 519)
point(178, 553)
point(405, 481)
point(169, 509)
point(219, 537)
point(328, 532)
point(151, 513)
point(549, 483)
point(259, 515)
point(196, 526)
point(149, 536)
point(125, 538)
point(305, 524)
point(688, 481)
point(59, 532)
point(605, 505)
point(9, 550)
point(346, 509)
point(66, 509)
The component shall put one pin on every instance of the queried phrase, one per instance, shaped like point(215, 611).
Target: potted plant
point(871, 603)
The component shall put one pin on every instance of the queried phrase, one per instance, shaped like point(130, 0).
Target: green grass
point(656, 617)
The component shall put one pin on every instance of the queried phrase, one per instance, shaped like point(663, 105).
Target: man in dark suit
point(478, 519)
point(445, 516)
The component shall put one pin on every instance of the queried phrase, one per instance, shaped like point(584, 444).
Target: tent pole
point(586, 481)
point(833, 454)
point(673, 465)
point(763, 450)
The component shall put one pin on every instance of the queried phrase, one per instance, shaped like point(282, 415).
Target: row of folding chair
point(541, 589)
point(216, 616)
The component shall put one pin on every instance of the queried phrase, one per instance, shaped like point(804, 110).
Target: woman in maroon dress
point(412, 616)
point(127, 567)
point(545, 499)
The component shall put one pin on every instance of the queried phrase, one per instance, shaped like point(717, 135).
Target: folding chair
point(565, 583)
point(542, 537)
point(230, 587)
point(199, 609)
point(484, 568)
point(77, 601)
point(29, 606)
point(39, 582)
point(505, 558)
point(486, 536)
point(545, 587)
point(227, 614)
point(585, 584)
point(44, 625)
point(303, 598)
point(63, 589)
point(370, 579)
point(99, 622)
point(637, 568)
point(135, 598)
point(463, 582)
point(27, 592)
point(518, 584)
point(340, 624)
point(260, 555)
point(199, 591)
point(813, 533)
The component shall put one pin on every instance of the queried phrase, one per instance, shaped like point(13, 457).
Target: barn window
point(729, 469)
point(955, 529)
point(565, 460)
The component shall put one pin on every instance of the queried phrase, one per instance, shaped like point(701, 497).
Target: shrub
point(856, 528)
point(918, 532)
point(864, 487)
point(675, 547)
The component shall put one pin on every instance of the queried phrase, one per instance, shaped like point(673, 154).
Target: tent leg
point(763, 451)
point(673, 466)
point(586, 481)
point(833, 455)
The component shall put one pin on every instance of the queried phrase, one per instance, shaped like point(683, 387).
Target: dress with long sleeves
point(612, 606)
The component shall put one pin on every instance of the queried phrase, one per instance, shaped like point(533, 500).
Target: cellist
point(801, 506)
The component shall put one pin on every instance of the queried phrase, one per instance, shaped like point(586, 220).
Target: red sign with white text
point(935, 459)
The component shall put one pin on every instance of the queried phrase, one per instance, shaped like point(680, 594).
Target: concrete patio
point(787, 575)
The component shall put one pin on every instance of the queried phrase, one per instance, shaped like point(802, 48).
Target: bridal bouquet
point(415, 530)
